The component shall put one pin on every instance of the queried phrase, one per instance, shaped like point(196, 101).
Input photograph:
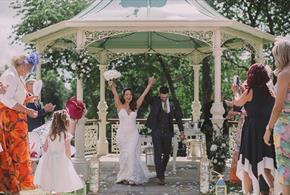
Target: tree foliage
point(38, 14)
point(54, 90)
point(270, 16)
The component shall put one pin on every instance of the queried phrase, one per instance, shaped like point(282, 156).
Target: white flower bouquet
point(111, 74)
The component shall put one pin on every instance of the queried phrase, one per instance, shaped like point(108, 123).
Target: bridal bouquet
point(111, 74)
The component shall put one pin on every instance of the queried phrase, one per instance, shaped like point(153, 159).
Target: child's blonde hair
point(281, 53)
point(60, 122)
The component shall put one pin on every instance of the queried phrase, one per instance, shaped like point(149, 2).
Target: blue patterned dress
point(282, 143)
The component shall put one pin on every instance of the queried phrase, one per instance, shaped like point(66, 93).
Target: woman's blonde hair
point(281, 53)
point(18, 60)
point(60, 122)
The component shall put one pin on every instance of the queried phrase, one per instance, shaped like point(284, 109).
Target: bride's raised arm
point(115, 94)
point(140, 100)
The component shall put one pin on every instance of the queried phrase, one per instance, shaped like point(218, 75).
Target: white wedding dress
point(131, 168)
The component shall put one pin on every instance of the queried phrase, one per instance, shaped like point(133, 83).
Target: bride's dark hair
point(133, 103)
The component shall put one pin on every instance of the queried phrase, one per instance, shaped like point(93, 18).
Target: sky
point(7, 19)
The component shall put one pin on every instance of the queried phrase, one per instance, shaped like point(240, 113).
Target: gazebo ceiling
point(149, 40)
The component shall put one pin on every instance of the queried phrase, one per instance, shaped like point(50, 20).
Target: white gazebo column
point(38, 70)
point(79, 161)
point(259, 53)
point(196, 106)
point(39, 50)
point(103, 146)
point(217, 109)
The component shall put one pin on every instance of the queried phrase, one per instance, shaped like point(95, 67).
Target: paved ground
point(185, 182)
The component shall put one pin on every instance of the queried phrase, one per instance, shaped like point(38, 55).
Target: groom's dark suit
point(161, 124)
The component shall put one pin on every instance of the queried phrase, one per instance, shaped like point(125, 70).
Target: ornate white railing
point(91, 136)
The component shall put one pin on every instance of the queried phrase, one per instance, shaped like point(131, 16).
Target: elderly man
point(42, 111)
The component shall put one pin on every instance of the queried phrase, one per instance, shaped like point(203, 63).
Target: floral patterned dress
point(15, 165)
point(282, 143)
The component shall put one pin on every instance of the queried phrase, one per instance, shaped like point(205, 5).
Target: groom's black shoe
point(161, 181)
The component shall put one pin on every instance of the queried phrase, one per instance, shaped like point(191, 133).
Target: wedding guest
point(15, 166)
point(55, 171)
point(241, 114)
point(264, 188)
point(237, 141)
point(281, 113)
point(256, 158)
point(42, 111)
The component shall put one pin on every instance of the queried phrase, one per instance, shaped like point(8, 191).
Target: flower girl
point(55, 171)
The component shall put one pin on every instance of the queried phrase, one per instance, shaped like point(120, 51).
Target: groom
point(160, 121)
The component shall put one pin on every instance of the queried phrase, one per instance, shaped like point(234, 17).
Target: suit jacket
point(156, 108)
point(39, 120)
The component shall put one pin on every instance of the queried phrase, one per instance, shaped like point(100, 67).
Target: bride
point(132, 171)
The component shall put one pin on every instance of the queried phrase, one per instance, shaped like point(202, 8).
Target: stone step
point(34, 192)
point(41, 192)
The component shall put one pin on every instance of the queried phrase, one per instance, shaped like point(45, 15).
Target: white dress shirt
point(167, 105)
point(15, 92)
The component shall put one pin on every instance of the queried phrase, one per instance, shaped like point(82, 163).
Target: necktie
point(165, 107)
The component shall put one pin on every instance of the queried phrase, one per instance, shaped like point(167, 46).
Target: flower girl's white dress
point(55, 171)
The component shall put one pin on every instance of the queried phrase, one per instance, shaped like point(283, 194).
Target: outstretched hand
point(235, 88)
point(151, 81)
point(32, 113)
point(111, 83)
point(49, 107)
point(267, 137)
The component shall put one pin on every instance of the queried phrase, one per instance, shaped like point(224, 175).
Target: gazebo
point(187, 28)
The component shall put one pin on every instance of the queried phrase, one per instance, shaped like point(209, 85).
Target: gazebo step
point(34, 192)
point(42, 192)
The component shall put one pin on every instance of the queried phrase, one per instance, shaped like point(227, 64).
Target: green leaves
point(38, 14)
point(77, 63)
point(271, 16)
point(54, 90)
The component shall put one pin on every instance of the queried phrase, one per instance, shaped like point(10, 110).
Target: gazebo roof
point(148, 24)
point(168, 10)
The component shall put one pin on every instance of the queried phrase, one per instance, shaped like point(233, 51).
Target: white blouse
point(16, 91)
